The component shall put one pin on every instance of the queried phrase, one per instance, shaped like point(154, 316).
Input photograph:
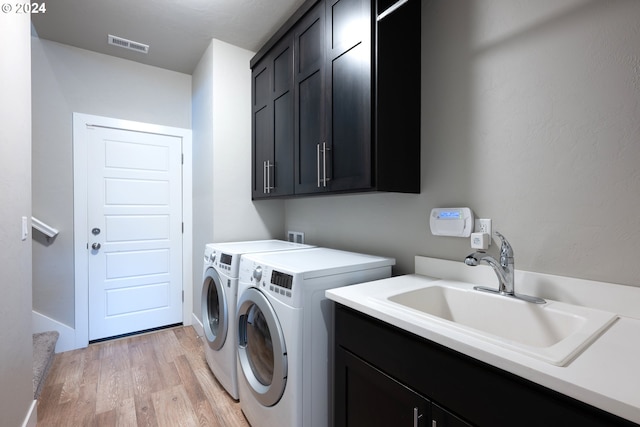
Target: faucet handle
point(505, 248)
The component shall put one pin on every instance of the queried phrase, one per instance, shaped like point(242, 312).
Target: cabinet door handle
point(264, 177)
point(318, 162)
point(324, 164)
point(267, 176)
point(271, 171)
point(322, 178)
point(416, 416)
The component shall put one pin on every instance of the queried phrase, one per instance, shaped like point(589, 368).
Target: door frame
point(80, 220)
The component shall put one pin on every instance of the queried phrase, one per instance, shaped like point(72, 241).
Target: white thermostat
point(456, 222)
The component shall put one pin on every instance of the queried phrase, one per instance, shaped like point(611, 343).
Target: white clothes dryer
point(219, 298)
point(285, 331)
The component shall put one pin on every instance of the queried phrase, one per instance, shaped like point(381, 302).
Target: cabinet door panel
point(262, 131)
point(348, 24)
point(350, 85)
point(310, 101)
point(282, 171)
point(310, 133)
point(261, 149)
point(310, 46)
point(282, 71)
point(283, 145)
point(351, 121)
point(374, 399)
point(261, 87)
point(273, 123)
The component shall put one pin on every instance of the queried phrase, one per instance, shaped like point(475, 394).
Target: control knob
point(257, 273)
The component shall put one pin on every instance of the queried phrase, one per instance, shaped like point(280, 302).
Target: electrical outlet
point(484, 226)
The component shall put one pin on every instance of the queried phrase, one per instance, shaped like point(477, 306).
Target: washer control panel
point(223, 262)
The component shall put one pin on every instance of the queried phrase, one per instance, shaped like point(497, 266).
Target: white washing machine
point(285, 332)
point(219, 298)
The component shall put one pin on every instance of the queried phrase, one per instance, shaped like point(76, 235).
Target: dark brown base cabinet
point(336, 101)
point(385, 376)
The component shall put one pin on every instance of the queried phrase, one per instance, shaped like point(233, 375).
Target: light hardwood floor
point(158, 379)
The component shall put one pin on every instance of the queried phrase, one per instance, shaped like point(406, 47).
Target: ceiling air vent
point(128, 44)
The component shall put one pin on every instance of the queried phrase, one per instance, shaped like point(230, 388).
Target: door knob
point(95, 246)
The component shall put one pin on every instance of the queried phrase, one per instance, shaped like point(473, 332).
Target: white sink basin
point(553, 332)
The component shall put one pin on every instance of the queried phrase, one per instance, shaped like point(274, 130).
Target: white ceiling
point(177, 31)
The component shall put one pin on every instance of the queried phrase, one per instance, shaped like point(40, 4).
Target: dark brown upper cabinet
point(272, 122)
point(336, 101)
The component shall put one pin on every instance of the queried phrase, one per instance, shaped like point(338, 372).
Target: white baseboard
point(42, 323)
point(32, 416)
point(197, 325)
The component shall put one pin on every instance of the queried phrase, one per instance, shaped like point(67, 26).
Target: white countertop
point(606, 374)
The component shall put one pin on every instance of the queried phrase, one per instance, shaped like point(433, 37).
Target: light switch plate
point(25, 228)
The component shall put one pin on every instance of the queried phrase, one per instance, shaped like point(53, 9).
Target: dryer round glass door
point(214, 309)
point(261, 347)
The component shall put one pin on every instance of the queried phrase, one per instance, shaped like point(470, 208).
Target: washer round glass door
point(214, 309)
point(261, 347)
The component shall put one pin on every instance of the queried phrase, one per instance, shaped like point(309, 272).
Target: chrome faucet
point(503, 269)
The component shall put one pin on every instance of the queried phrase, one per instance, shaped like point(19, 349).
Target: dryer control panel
point(281, 283)
point(283, 280)
point(272, 281)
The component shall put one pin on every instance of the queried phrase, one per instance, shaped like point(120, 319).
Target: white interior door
point(134, 233)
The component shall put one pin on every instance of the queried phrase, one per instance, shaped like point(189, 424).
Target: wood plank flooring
point(158, 379)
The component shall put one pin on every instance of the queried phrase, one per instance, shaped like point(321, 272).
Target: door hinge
point(182, 296)
point(183, 228)
point(182, 158)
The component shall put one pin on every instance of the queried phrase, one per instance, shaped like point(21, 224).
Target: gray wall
point(67, 80)
point(530, 116)
point(16, 371)
point(222, 208)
